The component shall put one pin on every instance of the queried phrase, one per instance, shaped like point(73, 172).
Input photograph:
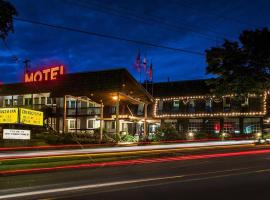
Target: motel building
point(191, 110)
point(112, 101)
point(109, 101)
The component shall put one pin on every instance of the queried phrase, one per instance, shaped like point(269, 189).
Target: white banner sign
point(16, 134)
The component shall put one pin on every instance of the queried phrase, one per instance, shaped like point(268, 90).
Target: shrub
point(168, 132)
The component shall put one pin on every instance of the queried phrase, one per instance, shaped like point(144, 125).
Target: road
point(237, 177)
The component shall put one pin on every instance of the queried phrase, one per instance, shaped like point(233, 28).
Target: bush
point(266, 136)
point(168, 132)
point(129, 138)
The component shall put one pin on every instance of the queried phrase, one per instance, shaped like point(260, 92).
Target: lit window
point(72, 124)
point(252, 125)
point(90, 123)
point(195, 125)
point(72, 104)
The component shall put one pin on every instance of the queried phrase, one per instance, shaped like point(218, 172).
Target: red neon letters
point(51, 73)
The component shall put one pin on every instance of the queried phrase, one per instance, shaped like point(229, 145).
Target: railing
point(90, 111)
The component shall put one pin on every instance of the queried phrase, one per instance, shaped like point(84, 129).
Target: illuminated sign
point(31, 117)
point(8, 115)
point(16, 134)
point(47, 74)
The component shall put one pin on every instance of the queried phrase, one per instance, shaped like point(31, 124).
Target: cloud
point(81, 52)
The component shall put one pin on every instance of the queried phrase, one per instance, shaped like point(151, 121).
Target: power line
point(153, 19)
point(107, 36)
point(231, 19)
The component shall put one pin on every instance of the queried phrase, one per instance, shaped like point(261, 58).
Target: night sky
point(188, 24)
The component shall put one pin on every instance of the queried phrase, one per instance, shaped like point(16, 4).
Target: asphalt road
point(241, 177)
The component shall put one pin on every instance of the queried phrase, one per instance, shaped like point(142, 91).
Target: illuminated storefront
point(189, 107)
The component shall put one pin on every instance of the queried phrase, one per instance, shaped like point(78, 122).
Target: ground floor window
point(195, 125)
point(231, 125)
point(252, 125)
point(212, 126)
point(93, 123)
point(172, 123)
point(72, 124)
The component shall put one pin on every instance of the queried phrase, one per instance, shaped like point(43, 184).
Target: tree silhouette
point(7, 11)
point(241, 67)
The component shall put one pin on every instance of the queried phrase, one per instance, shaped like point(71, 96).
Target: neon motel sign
point(48, 74)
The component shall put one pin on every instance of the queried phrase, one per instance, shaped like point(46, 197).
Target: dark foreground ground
point(242, 177)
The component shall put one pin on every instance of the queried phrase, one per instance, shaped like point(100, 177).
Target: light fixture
point(115, 98)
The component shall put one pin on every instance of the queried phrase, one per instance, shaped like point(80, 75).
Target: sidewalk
point(24, 154)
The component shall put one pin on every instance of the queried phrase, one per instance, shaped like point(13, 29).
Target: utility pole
point(26, 65)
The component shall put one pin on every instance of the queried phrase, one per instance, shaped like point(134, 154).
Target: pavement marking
point(93, 186)
point(90, 186)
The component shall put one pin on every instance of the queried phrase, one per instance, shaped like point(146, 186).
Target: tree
point(241, 67)
point(7, 11)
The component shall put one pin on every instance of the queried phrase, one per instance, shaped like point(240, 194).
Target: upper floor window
point(8, 102)
point(226, 104)
point(160, 105)
point(191, 106)
point(28, 101)
point(208, 105)
point(176, 105)
point(49, 100)
point(43, 100)
point(36, 100)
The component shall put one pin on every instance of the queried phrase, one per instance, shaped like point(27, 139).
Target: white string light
point(219, 114)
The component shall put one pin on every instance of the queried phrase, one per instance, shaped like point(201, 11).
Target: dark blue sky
point(193, 25)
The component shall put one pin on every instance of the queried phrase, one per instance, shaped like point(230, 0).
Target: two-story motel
point(113, 101)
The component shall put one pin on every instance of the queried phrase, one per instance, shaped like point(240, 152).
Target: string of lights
point(218, 114)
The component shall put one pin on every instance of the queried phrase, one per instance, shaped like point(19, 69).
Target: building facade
point(112, 101)
point(189, 107)
point(107, 101)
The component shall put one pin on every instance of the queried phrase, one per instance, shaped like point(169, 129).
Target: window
point(72, 104)
point(252, 125)
point(90, 123)
point(112, 110)
point(8, 102)
point(28, 101)
point(160, 105)
point(191, 106)
point(72, 123)
point(43, 100)
point(226, 104)
point(208, 105)
point(176, 105)
point(212, 126)
point(49, 100)
point(15, 102)
point(36, 100)
point(231, 125)
point(195, 125)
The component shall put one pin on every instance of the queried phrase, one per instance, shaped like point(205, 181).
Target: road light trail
point(8, 155)
point(136, 162)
